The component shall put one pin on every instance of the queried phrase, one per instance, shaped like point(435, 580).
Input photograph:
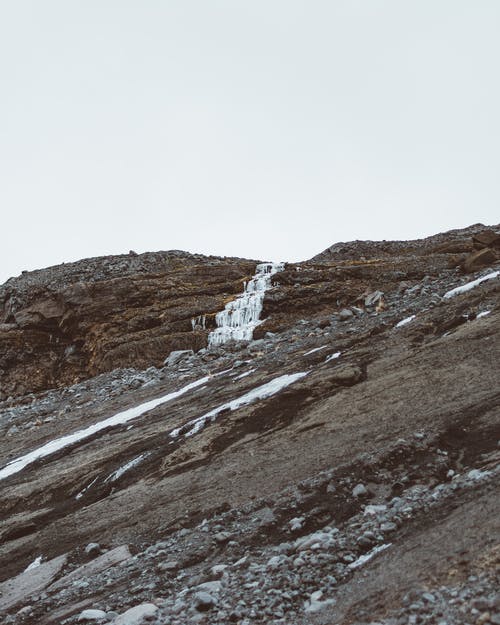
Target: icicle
point(199, 322)
point(240, 317)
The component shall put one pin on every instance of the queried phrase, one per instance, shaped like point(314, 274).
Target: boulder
point(203, 601)
point(481, 258)
point(137, 615)
point(372, 299)
point(345, 314)
point(487, 238)
point(92, 615)
point(346, 375)
point(177, 356)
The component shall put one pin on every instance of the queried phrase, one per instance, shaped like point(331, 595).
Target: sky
point(267, 129)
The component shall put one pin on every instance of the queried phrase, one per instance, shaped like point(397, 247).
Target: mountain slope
point(335, 470)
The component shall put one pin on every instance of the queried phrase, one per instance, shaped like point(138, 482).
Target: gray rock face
point(15, 590)
point(204, 601)
point(177, 356)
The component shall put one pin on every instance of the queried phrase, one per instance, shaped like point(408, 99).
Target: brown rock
point(342, 375)
point(487, 238)
point(481, 258)
point(67, 323)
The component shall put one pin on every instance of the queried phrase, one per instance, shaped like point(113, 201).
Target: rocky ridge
point(353, 494)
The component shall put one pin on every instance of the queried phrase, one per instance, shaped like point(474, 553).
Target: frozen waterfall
point(238, 320)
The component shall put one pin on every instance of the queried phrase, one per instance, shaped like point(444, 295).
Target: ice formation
point(199, 322)
point(240, 317)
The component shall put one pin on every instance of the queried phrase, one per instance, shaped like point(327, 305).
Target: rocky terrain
point(341, 467)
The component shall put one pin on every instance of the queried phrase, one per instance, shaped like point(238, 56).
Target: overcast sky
point(261, 128)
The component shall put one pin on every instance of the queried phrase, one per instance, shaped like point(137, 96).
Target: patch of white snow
point(82, 492)
point(470, 285)
point(483, 314)
point(14, 466)
point(126, 467)
point(35, 564)
point(316, 349)
point(260, 392)
point(368, 556)
point(333, 356)
point(244, 375)
point(403, 322)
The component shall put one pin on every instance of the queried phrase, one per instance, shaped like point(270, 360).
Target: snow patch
point(483, 314)
point(368, 556)
point(260, 392)
point(35, 564)
point(316, 349)
point(82, 492)
point(470, 285)
point(70, 439)
point(244, 375)
point(403, 322)
point(126, 467)
point(333, 356)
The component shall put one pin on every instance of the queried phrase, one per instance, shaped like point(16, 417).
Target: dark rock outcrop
point(67, 323)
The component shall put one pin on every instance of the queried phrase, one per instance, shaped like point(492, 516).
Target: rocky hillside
point(341, 467)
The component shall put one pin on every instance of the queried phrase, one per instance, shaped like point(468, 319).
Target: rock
point(177, 356)
point(296, 524)
point(388, 527)
point(170, 565)
point(99, 564)
point(92, 550)
point(210, 587)
point(203, 601)
point(345, 314)
point(372, 299)
point(346, 375)
point(487, 238)
point(222, 537)
point(359, 491)
point(304, 543)
point(138, 615)
point(315, 603)
point(218, 570)
point(479, 259)
point(111, 312)
point(92, 615)
point(14, 590)
point(274, 562)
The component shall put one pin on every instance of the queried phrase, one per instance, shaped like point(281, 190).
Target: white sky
point(261, 128)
